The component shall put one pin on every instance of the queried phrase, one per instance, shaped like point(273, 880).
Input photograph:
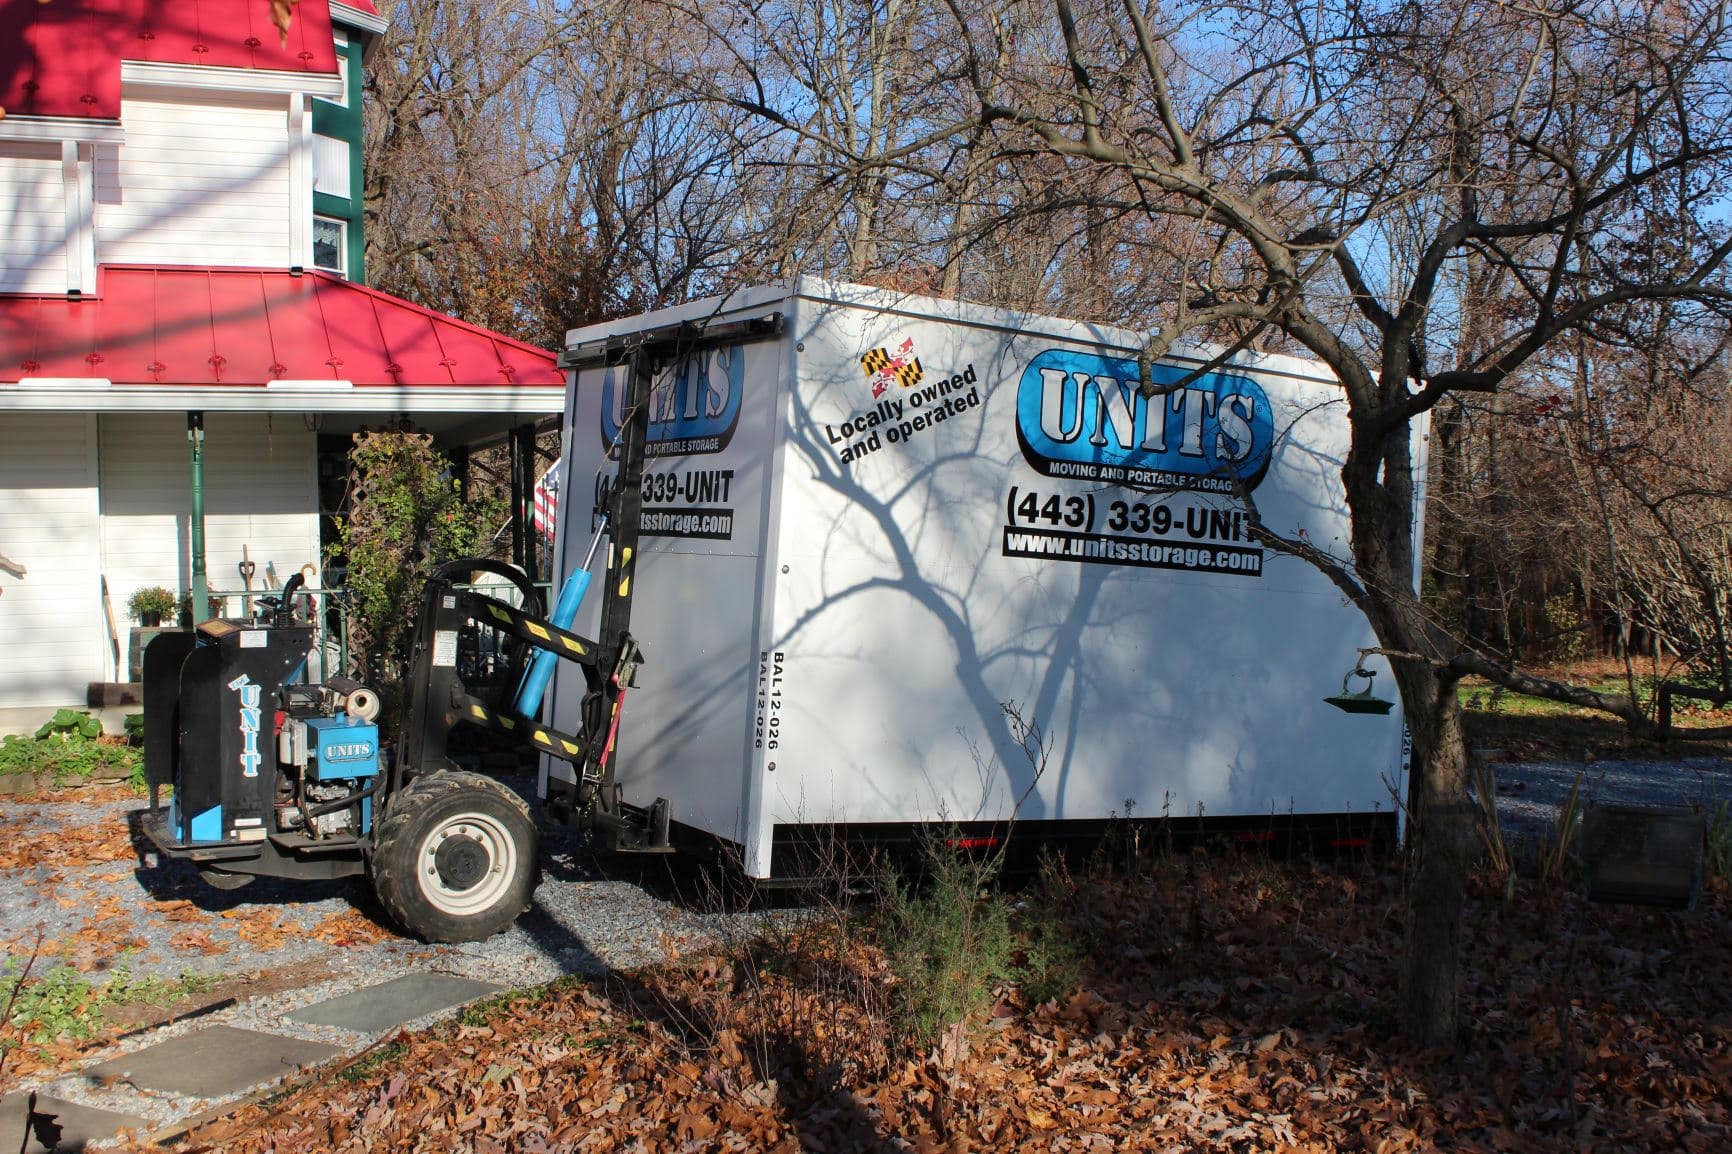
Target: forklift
point(273, 776)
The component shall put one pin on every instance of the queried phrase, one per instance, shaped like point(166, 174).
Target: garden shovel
point(247, 569)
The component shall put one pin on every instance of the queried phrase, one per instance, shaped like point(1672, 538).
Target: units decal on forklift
point(910, 409)
point(694, 404)
point(1082, 416)
point(249, 711)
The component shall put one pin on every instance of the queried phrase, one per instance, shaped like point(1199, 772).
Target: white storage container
point(866, 539)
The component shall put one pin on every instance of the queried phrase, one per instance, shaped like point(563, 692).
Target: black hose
point(325, 807)
point(285, 614)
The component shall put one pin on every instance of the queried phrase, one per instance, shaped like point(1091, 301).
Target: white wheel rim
point(501, 852)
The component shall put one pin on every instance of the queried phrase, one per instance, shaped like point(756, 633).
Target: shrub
point(69, 725)
point(64, 1003)
point(1566, 626)
point(405, 517)
point(948, 941)
point(1049, 957)
point(68, 754)
point(1719, 851)
point(151, 599)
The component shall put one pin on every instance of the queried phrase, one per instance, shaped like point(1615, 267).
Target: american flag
point(546, 513)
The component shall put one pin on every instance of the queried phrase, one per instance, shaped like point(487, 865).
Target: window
point(343, 71)
point(330, 165)
point(342, 43)
point(330, 244)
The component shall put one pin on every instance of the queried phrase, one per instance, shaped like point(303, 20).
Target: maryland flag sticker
point(884, 368)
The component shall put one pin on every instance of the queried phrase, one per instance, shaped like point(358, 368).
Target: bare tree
point(1647, 440)
point(1328, 177)
point(1446, 204)
point(530, 169)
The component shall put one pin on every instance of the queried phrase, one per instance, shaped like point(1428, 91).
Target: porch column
point(523, 438)
point(195, 463)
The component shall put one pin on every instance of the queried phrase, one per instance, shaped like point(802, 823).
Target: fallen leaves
point(197, 942)
point(261, 927)
point(24, 843)
point(1266, 1033)
point(349, 928)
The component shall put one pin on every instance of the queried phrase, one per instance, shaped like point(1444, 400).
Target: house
point(184, 320)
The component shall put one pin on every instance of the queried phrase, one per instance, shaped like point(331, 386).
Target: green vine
point(406, 515)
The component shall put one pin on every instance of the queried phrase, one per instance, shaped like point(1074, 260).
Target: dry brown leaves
point(350, 928)
point(25, 844)
point(261, 927)
point(39, 1057)
point(1246, 1007)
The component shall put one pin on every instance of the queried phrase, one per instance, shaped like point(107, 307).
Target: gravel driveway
point(1530, 793)
point(108, 897)
point(160, 918)
point(80, 882)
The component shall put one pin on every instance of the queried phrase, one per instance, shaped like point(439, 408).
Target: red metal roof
point(62, 58)
point(195, 326)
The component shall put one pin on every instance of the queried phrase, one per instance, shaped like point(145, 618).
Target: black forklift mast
point(438, 698)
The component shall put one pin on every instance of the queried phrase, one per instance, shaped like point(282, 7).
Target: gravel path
point(581, 921)
point(156, 915)
point(281, 946)
point(160, 919)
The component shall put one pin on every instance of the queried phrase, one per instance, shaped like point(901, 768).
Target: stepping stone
point(78, 1124)
point(212, 1063)
point(379, 1008)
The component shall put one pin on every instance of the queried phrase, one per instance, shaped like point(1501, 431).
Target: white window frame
point(342, 268)
point(342, 43)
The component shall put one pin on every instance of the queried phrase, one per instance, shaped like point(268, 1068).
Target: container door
point(686, 732)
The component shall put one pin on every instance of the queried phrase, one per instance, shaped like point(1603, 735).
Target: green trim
point(344, 123)
point(195, 471)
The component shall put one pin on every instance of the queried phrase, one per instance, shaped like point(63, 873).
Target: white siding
point(32, 219)
point(202, 179)
point(52, 638)
point(260, 490)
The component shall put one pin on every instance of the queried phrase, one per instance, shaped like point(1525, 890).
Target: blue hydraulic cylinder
point(541, 667)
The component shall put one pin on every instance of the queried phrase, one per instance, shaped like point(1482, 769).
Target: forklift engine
point(259, 762)
point(327, 758)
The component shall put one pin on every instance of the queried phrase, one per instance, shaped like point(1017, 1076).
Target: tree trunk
point(1441, 837)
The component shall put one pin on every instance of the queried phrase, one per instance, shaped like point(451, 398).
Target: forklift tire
point(455, 857)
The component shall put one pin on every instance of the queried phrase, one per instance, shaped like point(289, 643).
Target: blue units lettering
point(249, 711)
point(693, 406)
point(1083, 415)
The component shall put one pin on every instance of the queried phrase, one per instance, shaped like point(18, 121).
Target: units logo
point(694, 406)
point(1083, 415)
point(885, 370)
